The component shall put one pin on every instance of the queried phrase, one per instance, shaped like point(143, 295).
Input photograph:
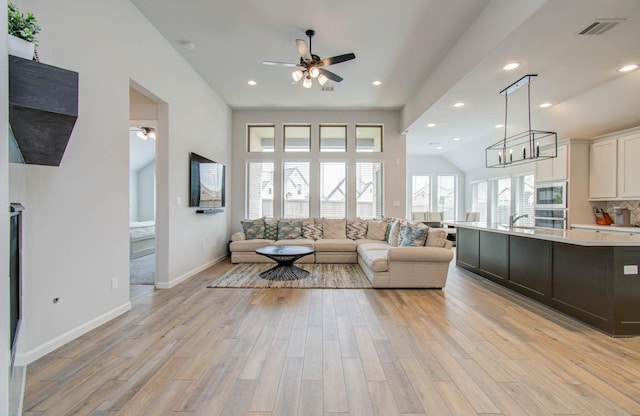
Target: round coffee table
point(284, 256)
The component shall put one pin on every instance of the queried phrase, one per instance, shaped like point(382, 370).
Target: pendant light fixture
point(524, 147)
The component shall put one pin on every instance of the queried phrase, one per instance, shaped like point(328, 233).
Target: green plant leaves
point(24, 27)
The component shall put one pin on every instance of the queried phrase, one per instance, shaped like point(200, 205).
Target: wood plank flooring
point(472, 349)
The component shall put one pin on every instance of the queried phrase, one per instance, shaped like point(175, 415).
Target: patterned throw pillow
point(288, 230)
point(401, 230)
point(253, 228)
point(392, 233)
point(377, 230)
point(312, 231)
point(334, 228)
point(356, 229)
point(271, 229)
point(415, 235)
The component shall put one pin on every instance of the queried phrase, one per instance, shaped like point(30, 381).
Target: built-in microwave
point(551, 195)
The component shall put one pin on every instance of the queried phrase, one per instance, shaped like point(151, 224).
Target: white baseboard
point(24, 358)
point(180, 279)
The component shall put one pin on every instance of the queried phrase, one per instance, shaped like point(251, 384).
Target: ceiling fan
point(311, 65)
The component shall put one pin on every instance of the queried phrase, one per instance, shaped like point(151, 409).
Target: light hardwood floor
point(473, 348)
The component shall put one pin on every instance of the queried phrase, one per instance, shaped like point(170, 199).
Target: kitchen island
point(590, 276)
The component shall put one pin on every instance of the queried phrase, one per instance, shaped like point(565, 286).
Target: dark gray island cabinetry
point(589, 276)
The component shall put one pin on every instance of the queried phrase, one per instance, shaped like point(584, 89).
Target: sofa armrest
point(420, 254)
point(239, 236)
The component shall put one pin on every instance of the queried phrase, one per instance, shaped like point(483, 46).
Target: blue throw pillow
point(288, 230)
point(415, 235)
point(253, 228)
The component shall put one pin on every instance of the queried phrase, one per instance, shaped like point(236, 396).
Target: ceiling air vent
point(327, 89)
point(599, 26)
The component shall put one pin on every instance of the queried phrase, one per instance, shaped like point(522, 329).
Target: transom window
point(297, 138)
point(261, 138)
point(368, 138)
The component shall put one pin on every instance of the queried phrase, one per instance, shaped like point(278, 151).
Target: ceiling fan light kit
point(524, 147)
point(312, 66)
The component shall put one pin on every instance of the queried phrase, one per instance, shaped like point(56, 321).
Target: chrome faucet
point(515, 217)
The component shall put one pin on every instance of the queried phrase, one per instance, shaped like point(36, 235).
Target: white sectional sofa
point(386, 264)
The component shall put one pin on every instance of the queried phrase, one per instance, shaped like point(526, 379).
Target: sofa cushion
point(415, 235)
point(249, 245)
point(375, 259)
point(296, 242)
point(356, 229)
point(334, 228)
point(376, 229)
point(289, 230)
point(271, 229)
point(312, 231)
point(335, 244)
point(436, 238)
point(253, 228)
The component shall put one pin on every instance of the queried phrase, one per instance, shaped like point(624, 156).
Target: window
point(479, 199)
point(501, 200)
point(369, 190)
point(333, 138)
point(297, 138)
point(446, 196)
point(259, 189)
point(261, 138)
point(368, 138)
point(295, 189)
point(420, 193)
point(333, 193)
point(524, 198)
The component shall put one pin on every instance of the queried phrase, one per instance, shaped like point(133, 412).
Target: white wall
point(146, 192)
point(393, 155)
point(77, 215)
point(423, 164)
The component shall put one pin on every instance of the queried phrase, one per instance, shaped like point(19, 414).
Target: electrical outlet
point(178, 200)
point(630, 269)
point(203, 244)
point(114, 283)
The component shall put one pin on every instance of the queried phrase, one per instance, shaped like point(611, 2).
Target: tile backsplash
point(634, 209)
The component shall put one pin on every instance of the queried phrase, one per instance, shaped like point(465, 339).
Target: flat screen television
point(206, 182)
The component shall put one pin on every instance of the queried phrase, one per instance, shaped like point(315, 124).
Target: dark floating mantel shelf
point(43, 108)
point(209, 210)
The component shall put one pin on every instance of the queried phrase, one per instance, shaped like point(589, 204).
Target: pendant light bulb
point(322, 79)
point(296, 75)
point(307, 82)
point(314, 71)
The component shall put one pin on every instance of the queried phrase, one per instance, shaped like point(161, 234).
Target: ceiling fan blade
point(279, 63)
point(330, 75)
point(303, 50)
point(338, 59)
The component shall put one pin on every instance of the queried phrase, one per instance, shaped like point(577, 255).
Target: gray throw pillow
point(253, 228)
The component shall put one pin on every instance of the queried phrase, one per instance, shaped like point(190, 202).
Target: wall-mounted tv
point(207, 180)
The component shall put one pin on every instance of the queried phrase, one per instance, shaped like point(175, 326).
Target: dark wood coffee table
point(284, 256)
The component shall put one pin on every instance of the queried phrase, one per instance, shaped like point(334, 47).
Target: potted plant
point(22, 32)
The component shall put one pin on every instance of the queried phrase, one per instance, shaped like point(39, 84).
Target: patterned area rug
point(325, 276)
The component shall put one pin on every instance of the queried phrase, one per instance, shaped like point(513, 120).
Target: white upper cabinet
point(629, 166)
point(554, 169)
point(603, 169)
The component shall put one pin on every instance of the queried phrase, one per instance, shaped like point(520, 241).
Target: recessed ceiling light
point(251, 82)
point(456, 139)
point(439, 147)
point(459, 104)
point(499, 126)
point(511, 66)
point(628, 68)
point(376, 83)
point(545, 105)
point(431, 125)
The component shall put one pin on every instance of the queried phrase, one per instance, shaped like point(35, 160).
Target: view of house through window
point(420, 193)
point(500, 200)
point(333, 189)
point(369, 190)
point(479, 199)
point(261, 138)
point(524, 198)
point(259, 189)
point(435, 193)
point(295, 189)
point(447, 196)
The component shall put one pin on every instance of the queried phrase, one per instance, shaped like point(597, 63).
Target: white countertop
point(607, 228)
point(578, 237)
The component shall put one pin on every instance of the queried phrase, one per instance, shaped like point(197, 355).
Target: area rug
point(324, 276)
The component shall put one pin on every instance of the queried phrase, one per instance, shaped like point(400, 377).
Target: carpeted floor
point(142, 271)
point(342, 276)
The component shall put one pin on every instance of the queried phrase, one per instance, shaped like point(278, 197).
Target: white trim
point(187, 275)
point(24, 358)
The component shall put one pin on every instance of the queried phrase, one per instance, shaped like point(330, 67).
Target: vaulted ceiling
point(428, 55)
